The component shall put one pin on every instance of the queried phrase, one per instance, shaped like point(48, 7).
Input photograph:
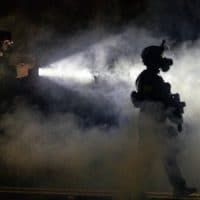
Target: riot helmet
point(152, 57)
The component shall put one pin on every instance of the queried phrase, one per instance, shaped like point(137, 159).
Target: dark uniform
point(160, 119)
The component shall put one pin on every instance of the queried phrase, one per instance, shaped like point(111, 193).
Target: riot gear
point(160, 114)
point(152, 57)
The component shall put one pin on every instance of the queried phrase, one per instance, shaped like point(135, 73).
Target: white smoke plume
point(56, 151)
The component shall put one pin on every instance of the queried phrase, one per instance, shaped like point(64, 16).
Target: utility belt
point(157, 110)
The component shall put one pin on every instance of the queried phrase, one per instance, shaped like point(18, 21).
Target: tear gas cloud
point(70, 70)
point(56, 151)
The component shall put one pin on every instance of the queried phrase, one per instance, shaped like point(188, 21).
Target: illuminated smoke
point(37, 144)
point(68, 70)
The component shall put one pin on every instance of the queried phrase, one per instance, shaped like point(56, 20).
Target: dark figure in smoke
point(160, 118)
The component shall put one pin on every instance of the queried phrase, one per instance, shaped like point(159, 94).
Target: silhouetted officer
point(160, 116)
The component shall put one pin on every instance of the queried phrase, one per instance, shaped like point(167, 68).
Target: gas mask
point(165, 64)
point(152, 57)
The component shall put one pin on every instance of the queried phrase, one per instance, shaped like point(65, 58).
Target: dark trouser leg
point(174, 173)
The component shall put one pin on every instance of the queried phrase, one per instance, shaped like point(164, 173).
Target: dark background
point(41, 27)
point(177, 18)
